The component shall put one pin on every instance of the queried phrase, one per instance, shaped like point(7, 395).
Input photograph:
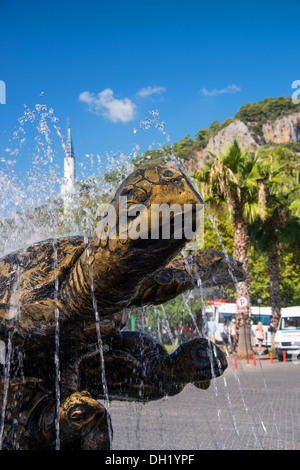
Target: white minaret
point(68, 187)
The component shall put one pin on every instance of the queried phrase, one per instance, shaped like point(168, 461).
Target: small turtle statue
point(30, 419)
point(75, 294)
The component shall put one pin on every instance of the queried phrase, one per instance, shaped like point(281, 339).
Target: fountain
point(66, 300)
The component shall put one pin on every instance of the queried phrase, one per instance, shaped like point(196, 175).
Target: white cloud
point(150, 90)
point(104, 103)
point(228, 89)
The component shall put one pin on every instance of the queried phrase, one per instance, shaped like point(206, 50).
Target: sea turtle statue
point(65, 302)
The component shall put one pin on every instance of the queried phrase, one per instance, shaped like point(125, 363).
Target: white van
point(226, 311)
point(287, 337)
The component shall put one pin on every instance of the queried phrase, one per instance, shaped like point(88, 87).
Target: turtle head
point(133, 239)
point(154, 212)
point(82, 417)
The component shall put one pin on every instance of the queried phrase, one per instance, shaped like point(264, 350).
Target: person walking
point(233, 334)
point(225, 335)
point(211, 329)
point(259, 334)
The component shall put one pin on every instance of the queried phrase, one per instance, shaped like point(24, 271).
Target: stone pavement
point(248, 408)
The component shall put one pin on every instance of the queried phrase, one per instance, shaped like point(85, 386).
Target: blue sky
point(107, 64)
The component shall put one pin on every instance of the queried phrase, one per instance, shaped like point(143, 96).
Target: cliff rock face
point(284, 129)
point(225, 137)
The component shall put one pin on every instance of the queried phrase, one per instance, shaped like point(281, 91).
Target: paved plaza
point(253, 407)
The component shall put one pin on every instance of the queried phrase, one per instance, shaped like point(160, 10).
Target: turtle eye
point(140, 194)
point(77, 414)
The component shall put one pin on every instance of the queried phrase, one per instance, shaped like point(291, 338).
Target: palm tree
point(280, 224)
point(233, 178)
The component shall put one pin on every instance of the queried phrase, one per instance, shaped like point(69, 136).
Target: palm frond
point(254, 211)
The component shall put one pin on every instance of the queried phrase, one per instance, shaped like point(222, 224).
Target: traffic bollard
point(254, 360)
point(271, 358)
point(284, 356)
point(235, 363)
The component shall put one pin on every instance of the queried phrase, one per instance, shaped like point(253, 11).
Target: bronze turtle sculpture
point(87, 288)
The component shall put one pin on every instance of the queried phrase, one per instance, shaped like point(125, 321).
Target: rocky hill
point(271, 122)
point(282, 130)
point(255, 126)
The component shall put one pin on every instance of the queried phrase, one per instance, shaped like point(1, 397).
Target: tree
point(202, 138)
point(185, 148)
point(280, 224)
point(232, 179)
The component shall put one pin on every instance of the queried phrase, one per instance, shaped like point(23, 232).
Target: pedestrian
point(225, 335)
point(233, 334)
point(211, 329)
point(259, 334)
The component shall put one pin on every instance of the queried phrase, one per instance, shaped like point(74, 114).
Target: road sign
point(242, 302)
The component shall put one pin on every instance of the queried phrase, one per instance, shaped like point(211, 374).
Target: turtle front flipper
point(207, 268)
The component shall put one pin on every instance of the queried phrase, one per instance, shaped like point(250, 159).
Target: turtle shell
point(29, 281)
point(30, 275)
point(22, 398)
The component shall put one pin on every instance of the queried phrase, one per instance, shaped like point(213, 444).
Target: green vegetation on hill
point(254, 115)
point(267, 110)
point(185, 149)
